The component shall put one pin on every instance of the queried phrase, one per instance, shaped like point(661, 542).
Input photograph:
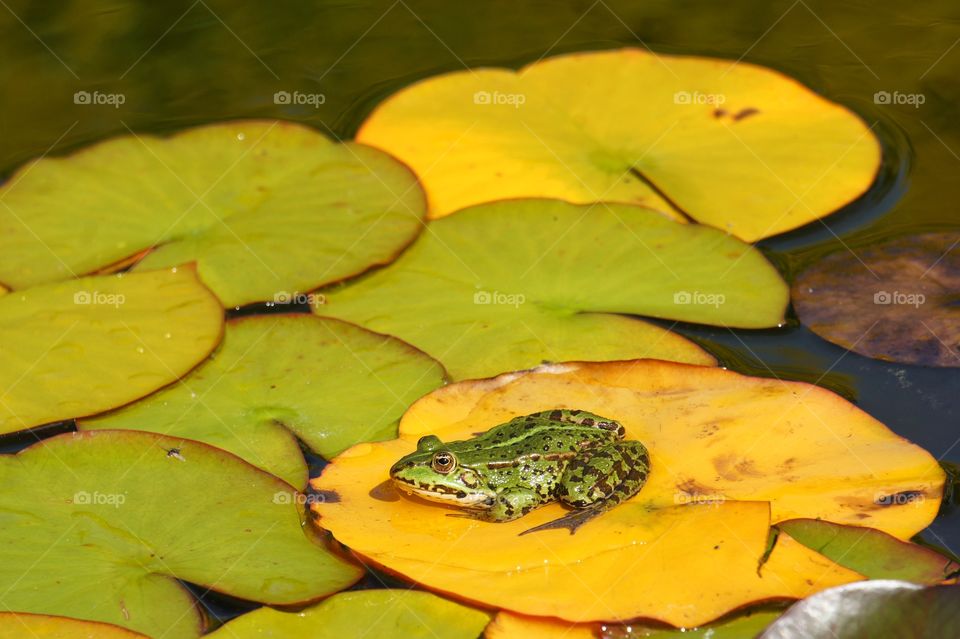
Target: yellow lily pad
point(265, 209)
point(509, 285)
point(87, 345)
point(730, 455)
point(279, 378)
point(22, 625)
point(729, 144)
point(377, 614)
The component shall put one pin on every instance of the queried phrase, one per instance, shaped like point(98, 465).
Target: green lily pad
point(873, 553)
point(88, 345)
point(879, 609)
point(380, 614)
point(898, 300)
point(276, 378)
point(508, 285)
point(21, 625)
point(729, 144)
point(102, 524)
point(265, 209)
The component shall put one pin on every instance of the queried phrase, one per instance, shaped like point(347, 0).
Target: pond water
point(179, 63)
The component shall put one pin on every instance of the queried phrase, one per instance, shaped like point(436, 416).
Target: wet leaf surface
point(898, 300)
point(733, 145)
point(729, 455)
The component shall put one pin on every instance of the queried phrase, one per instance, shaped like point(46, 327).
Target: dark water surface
point(180, 63)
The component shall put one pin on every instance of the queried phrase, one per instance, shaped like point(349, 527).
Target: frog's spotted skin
point(571, 456)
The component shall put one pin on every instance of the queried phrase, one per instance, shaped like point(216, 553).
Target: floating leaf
point(131, 513)
point(91, 344)
point(785, 449)
point(881, 609)
point(509, 285)
point(508, 625)
point(277, 378)
point(732, 145)
point(20, 625)
point(266, 209)
point(898, 300)
point(870, 552)
point(379, 614)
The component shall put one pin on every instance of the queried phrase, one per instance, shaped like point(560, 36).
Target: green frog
point(571, 456)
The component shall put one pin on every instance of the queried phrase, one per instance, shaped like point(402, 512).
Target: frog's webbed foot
point(571, 521)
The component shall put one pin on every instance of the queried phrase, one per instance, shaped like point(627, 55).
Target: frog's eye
point(444, 462)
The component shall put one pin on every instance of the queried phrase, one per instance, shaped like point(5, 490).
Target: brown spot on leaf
point(745, 113)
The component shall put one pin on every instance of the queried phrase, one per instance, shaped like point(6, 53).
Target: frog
point(570, 456)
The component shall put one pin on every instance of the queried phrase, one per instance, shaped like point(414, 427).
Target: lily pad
point(508, 625)
point(509, 285)
point(277, 378)
point(730, 455)
point(729, 144)
point(84, 346)
point(265, 209)
point(872, 553)
point(379, 614)
point(20, 625)
point(879, 609)
point(131, 513)
point(898, 300)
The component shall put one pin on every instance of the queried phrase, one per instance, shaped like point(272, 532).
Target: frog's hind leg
point(594, 484)
point(580, 418)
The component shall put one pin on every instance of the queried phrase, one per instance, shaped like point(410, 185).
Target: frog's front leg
point(598, 481)
point(512, 504)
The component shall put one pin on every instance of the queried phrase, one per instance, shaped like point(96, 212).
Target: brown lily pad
point(898, 300)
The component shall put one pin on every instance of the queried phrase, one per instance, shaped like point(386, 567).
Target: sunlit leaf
point(733, 145)
point(84, 346)
point(102, 525)
point(880, 609)
point(729, 454)
point(898, 300)
point(264, 208)
point(279, 378)
point(510, 285)
point(20, 625)
point(377, 614)
point(872, 553)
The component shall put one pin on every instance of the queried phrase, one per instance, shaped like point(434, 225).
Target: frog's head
point(433, 472)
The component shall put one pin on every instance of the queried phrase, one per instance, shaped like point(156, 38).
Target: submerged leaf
point(103, 524)
point(265, 209)
point(898, 300)
point(881, 609)
point(509, 285)
point(279, 378)
point(733, 145)
point(377, 614)
point(84, 346)
point(729, 456)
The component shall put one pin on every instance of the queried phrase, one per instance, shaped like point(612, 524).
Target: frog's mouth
point(443, 494)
